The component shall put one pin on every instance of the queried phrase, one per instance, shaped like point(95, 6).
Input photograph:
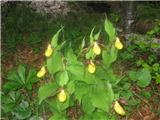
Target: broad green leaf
point(8, 86)
point(80, 90)
point(99, 116)
point(55, 38)
point(86, 117)
point(91, 35)
point(144, 78)
point(46, 91)
point(109, 57)
point(62, 78)
point(13, 76)
point(31, 77)
point(76, 71)
point(54, 63)
point(110, 30)
point(110, 94)
point(55, 105)
point(22, 111)
point(111, 77)
point(71, 87)
point(90, 78)
point(102, 97)
point(87, 105)
point(71, 57)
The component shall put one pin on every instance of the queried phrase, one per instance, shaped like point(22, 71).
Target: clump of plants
point(17, 95)
point(85, 77)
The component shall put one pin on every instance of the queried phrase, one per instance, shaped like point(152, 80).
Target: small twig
point(140, 113)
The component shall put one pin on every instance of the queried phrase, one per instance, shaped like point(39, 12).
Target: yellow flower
point(96, 48)
point(62, 96)
point(118, 108)
point(91, 67)
point(48, 51)
point(42, 72)
point(118, 44)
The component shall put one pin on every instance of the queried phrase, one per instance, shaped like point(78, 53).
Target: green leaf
point(110, 30)
point(12, 76)
point(99, 116)
point(96, 36)
point(133, 75)
point(90, 54)
point(90, 78)
point(113, 53)
point(127, 94)
point(86, 117)
point(76, 71)
point(87, 105)
point(46, 91)
point(63, 78)
point(81, 90)
point(55, 38)
point(82, 44)
point(71, 57)
point(57, 106)
point(71, 87)
point(157, 77)
point(108, 57)
point(102, 96)
point(8, 107)
point(8, 86)
point(144, 78)
point(91, 35)
point(21, 73)
point(22, 111)
point(147, 95)
point(58, 116)
point(31, 77)
point(54, 63)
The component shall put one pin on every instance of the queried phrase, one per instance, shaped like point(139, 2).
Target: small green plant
point(85, 77)
point(20, 78)
point(17, 101)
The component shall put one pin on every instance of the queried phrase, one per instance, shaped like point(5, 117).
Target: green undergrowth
point(20, 24)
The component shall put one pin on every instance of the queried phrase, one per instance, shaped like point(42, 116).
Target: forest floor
point(147, 110)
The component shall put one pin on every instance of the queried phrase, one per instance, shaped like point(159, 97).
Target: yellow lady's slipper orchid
point(42, 72)
point(118, 108)
point(62, 96)
point(118, 44)
point(96, 48)
point(48, 51)
point(91, 67)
